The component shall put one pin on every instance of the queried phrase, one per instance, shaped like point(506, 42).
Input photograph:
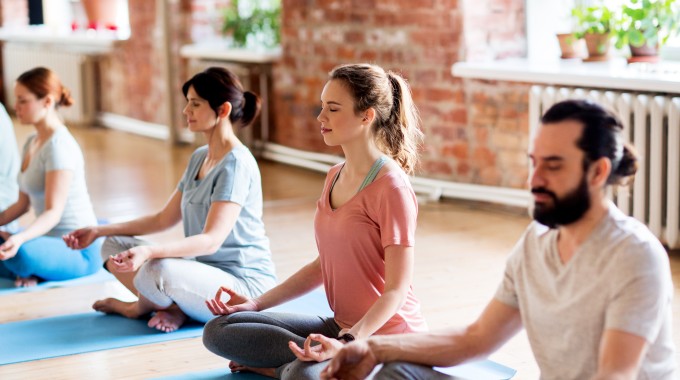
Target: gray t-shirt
point(60, 152)
point(245, 252)
point(9, 161)
point(619, 278)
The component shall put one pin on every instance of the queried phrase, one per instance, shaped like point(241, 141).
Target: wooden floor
point(460, 255)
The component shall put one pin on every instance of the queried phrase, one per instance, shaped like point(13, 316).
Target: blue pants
point(48, 258)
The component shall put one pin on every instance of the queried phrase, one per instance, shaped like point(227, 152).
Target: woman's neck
point(359, 157)
point(221, 140)
point(46, 127)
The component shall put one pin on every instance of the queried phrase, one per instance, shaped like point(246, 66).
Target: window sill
point(88, 42)
point(615, 74)
point(221, 52)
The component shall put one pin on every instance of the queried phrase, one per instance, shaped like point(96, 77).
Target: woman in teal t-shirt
point(52, 182)
point(219, 201)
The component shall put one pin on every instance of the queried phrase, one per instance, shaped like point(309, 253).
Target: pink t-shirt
point(352, 241)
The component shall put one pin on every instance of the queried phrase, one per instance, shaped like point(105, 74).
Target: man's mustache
point(543, 190)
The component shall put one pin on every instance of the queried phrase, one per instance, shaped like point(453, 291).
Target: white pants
point(185, 282)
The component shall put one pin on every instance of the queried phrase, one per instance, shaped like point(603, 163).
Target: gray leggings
point(260, 339)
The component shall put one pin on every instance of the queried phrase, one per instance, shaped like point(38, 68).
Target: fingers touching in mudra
point(227, 301)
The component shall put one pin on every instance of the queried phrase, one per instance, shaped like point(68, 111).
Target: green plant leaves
point(262, 25)
point(647, 22)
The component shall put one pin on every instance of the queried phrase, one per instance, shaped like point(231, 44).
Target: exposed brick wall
point(497, 135)
point(494, 29)
point(476, 131)
point(473, 130)
point(205, 18)
point(132, 83)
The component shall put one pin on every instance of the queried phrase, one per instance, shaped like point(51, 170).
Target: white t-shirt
point(619, 278)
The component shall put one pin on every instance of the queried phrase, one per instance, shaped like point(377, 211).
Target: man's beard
point(565, 210)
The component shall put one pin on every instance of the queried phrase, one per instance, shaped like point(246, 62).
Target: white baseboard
point(128, 124)
point(433, 189)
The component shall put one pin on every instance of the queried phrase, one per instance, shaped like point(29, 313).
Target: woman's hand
point(10, 247)
point(327, 348)
point(130, 260)
point(82, 238)
point(236, 303)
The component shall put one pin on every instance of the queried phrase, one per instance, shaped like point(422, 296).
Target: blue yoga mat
point(480, 370)
point(7, 285)
point(216, 374)
point(483, 369)
point(74, 334)
point(87, 332)
point(314, 302)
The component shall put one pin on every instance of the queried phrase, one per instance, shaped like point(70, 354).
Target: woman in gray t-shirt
point(52, 182)
point(219, 201)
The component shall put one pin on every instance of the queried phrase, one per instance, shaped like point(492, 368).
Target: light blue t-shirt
point(60, 152)
point(245, 253)
point(9, 162)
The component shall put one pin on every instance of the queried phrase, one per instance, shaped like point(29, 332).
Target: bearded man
point(591, 286)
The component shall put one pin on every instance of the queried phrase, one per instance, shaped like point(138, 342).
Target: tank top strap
point(335, 179)
point(370, 177)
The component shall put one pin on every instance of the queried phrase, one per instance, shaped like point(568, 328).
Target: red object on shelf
point(100, 13)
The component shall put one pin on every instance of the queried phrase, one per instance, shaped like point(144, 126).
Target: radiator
point(652, 124)
point(76, 71)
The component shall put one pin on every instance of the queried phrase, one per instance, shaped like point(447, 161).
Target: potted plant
point(253, 24)
point(645, 26)
point(571, 45)
point(595, 25)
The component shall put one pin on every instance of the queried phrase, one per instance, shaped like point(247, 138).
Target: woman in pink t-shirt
point(364, 225)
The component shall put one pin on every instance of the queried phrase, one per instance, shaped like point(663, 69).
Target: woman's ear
point(48, 101)
point(369, 116)
point(225, 110)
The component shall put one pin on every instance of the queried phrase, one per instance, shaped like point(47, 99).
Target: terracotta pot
point(101, 13)
point(570, 46)
point(598, 46)
point(644, 53)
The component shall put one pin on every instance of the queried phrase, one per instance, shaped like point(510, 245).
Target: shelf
point(614, 74)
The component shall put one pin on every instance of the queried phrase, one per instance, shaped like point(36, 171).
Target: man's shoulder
point(630, 243)
point(624, 231)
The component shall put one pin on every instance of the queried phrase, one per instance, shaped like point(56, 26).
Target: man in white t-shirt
point(591, 286)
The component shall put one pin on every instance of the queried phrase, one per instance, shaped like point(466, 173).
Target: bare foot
point(26, 282)
point(235, 367)
point(115, 306)
point(168, 320)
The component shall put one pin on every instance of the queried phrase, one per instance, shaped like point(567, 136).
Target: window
point(547, 18)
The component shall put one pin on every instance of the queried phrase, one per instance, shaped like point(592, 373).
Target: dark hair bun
point(65, 100)
point(251, 107)
point(628, 165)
